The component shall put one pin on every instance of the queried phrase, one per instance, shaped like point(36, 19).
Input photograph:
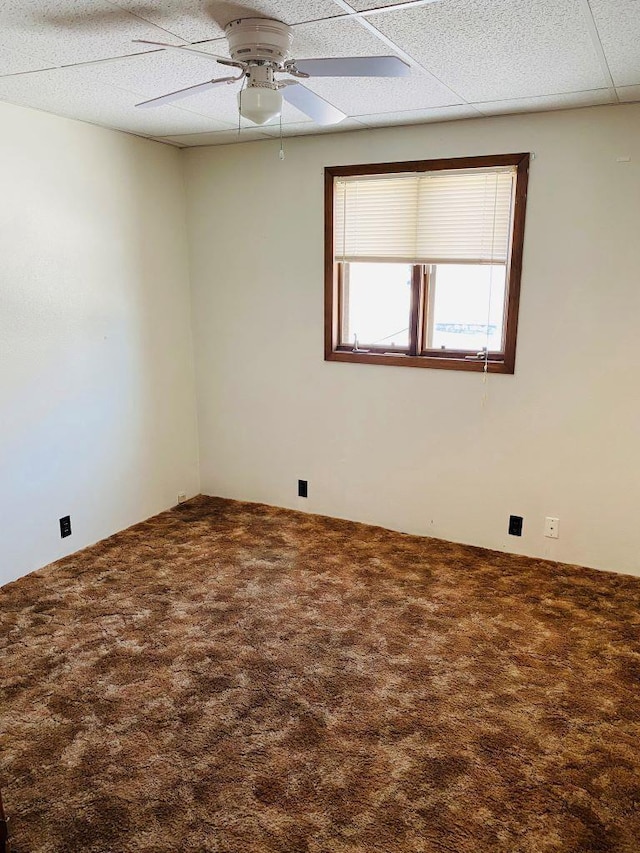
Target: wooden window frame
point(503, 362)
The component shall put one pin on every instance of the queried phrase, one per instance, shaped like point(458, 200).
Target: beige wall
point(429, 451)
point(97, 396)
point(97, 407)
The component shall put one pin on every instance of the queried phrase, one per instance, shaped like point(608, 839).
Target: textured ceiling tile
point(309, 127)
point(362, 5)
point(547, 102)
point(196, 20)
point(65, 31)
point(50, 91)
point(223, 137)
point(356, 96)
point(499, 49)
point(167, 141)
point(150, 74)
point(418, 116)
point(265, 132)
point(629, 94)
point(16, 62)
point(618, 24)
point(363, 96)
point(347, 37)
point(339, 37)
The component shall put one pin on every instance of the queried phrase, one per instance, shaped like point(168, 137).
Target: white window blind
point(428, 217)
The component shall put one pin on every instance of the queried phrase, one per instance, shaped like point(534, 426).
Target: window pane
point(377, 301)
point(467, 307)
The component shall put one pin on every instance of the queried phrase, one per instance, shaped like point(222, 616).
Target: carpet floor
point(235, 678)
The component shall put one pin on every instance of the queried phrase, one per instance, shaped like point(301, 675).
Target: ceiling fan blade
point(189, 49)
point(321, 111)
point(354, 66)
point(170, 97)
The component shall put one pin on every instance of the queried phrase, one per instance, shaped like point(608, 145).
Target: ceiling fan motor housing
point(259, 39)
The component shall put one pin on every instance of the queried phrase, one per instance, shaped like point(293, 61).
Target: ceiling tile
point(618, 24)
point(251, 134)
point(151, 74)
point(16, 62)
point(629, 94)
point(309, 127)
point(337, 37)
point(499, 49)
point(51, 91)
point(418, 116)
point(361, 96)
point(65, 31)
point(167, 141)
point(547, 102)
point(362, 5)
point(223, 137)
point(195, 20)
point(356, 96)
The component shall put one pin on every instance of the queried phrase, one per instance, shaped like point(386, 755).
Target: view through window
point(423, 262)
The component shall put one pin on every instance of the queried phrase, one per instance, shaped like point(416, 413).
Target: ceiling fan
point(260, 50)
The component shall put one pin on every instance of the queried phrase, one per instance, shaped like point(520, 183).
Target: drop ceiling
point(77, 58)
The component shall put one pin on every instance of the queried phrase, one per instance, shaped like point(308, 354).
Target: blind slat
point(459, 215)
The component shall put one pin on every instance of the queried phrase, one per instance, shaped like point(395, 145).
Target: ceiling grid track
point(597, 44)
point(360, 18)
point(397, 7)
point(138, 17)
point(84, 64)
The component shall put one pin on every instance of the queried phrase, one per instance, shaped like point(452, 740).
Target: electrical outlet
point(552, 527)
point(65, 526)
point(303, 489)
point(182, 497)
point(515, 525)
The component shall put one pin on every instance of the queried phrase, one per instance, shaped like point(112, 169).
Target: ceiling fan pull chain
point(281, 154)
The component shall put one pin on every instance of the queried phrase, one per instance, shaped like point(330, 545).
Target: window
point(423, 261)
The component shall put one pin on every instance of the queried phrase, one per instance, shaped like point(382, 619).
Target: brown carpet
point(231, 677)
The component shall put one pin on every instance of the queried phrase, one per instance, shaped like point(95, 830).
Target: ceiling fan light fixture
point(259, 104)
point(261, 49)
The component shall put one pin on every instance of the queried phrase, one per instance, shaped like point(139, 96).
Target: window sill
point(404, 360)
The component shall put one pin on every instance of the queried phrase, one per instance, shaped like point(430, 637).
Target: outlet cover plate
point(551, 527)
point(515, 525)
